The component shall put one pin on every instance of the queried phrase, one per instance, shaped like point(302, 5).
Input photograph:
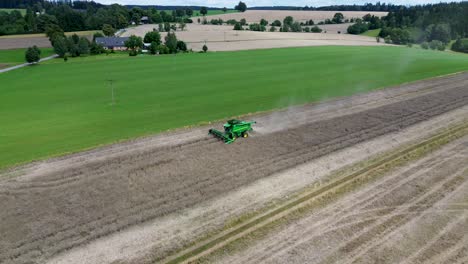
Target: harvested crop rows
point(50, 213)
point(416, 214)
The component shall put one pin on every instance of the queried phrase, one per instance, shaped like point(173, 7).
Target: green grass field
point(16, 56)
point(59, 107)
point(22, 11)
point(214, 12)
point(372, 33)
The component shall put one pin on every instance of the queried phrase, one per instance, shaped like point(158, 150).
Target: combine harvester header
point(233, 129)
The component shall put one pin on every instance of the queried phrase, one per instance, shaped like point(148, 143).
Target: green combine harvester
point(233, 129)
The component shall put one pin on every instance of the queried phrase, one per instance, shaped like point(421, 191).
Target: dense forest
point(453, 17)
point(81, 15)
point(433, 25)
point(366, 7)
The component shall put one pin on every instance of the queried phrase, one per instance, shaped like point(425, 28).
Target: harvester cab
point(233, 129)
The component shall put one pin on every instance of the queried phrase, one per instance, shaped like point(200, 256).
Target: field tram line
point(208, 246)
point(97, 166)
point(361, 203)
point(400, 211)
point(144, 207)
point(393, 219)
point(450, 228)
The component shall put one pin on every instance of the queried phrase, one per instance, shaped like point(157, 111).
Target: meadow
point(16, 56)
point(372, 33)
point(22, 11)
point(61, 107)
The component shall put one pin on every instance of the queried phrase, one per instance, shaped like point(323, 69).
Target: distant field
point(42, 35)
point(23, 11)
point(16, 56)
point(66, 107)
point(215, 12)
point(372, 33)
point(271, 15)
point(40, 40)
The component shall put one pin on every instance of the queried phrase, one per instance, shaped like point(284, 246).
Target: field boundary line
point(224, 238)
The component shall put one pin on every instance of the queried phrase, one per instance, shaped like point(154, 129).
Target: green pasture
point(62, 107)
point(22, 11)
point(17, 56)
point(372, 33)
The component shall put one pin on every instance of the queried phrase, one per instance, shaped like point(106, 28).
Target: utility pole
point(111, 83)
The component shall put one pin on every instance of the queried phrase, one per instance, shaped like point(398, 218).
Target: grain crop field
point(8, 42)
point(87, 197)
point(224, 38)
point(254, 16)
point(67, 107)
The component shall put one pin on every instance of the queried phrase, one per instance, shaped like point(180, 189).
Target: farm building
point(144, 20)
point(113, 43)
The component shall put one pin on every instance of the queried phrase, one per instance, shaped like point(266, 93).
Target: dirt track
point(48, 209)
point(418, 214)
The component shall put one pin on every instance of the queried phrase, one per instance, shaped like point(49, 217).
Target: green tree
point(171, 42)
point(163, 49)
point(203, 11)
point(243, 22)
point(205, 48)
point(30, 19)
point(134, 43)
point(241, 7)
point(296, 27)
point(288, 21)
point(315, 29)
point(338, 18)
point(461, 45)
point(179, 12)
point(189, 12)
point(152, 36)
point(97, 35)
point(108, 30)
point(167, 27)
point(263, 22)
point(276, 23)
point(224, 9)
point(54, 32)
point(83, 46)
point(438, 32)
point(181, 46)
point(256, 27)
point(182, 26)
point(153, 49)
point(61, 46)
point(33, 54)
point(96, 49)
point(237, 26)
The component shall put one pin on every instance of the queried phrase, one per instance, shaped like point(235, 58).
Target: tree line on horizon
point(433, 25)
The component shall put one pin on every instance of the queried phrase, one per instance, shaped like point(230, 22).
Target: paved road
point(26, 64)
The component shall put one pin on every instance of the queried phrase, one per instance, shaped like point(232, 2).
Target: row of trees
point(84, 15)
point(366, 7)
point(288, 25)
point(171, 44)
point(427, 24)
